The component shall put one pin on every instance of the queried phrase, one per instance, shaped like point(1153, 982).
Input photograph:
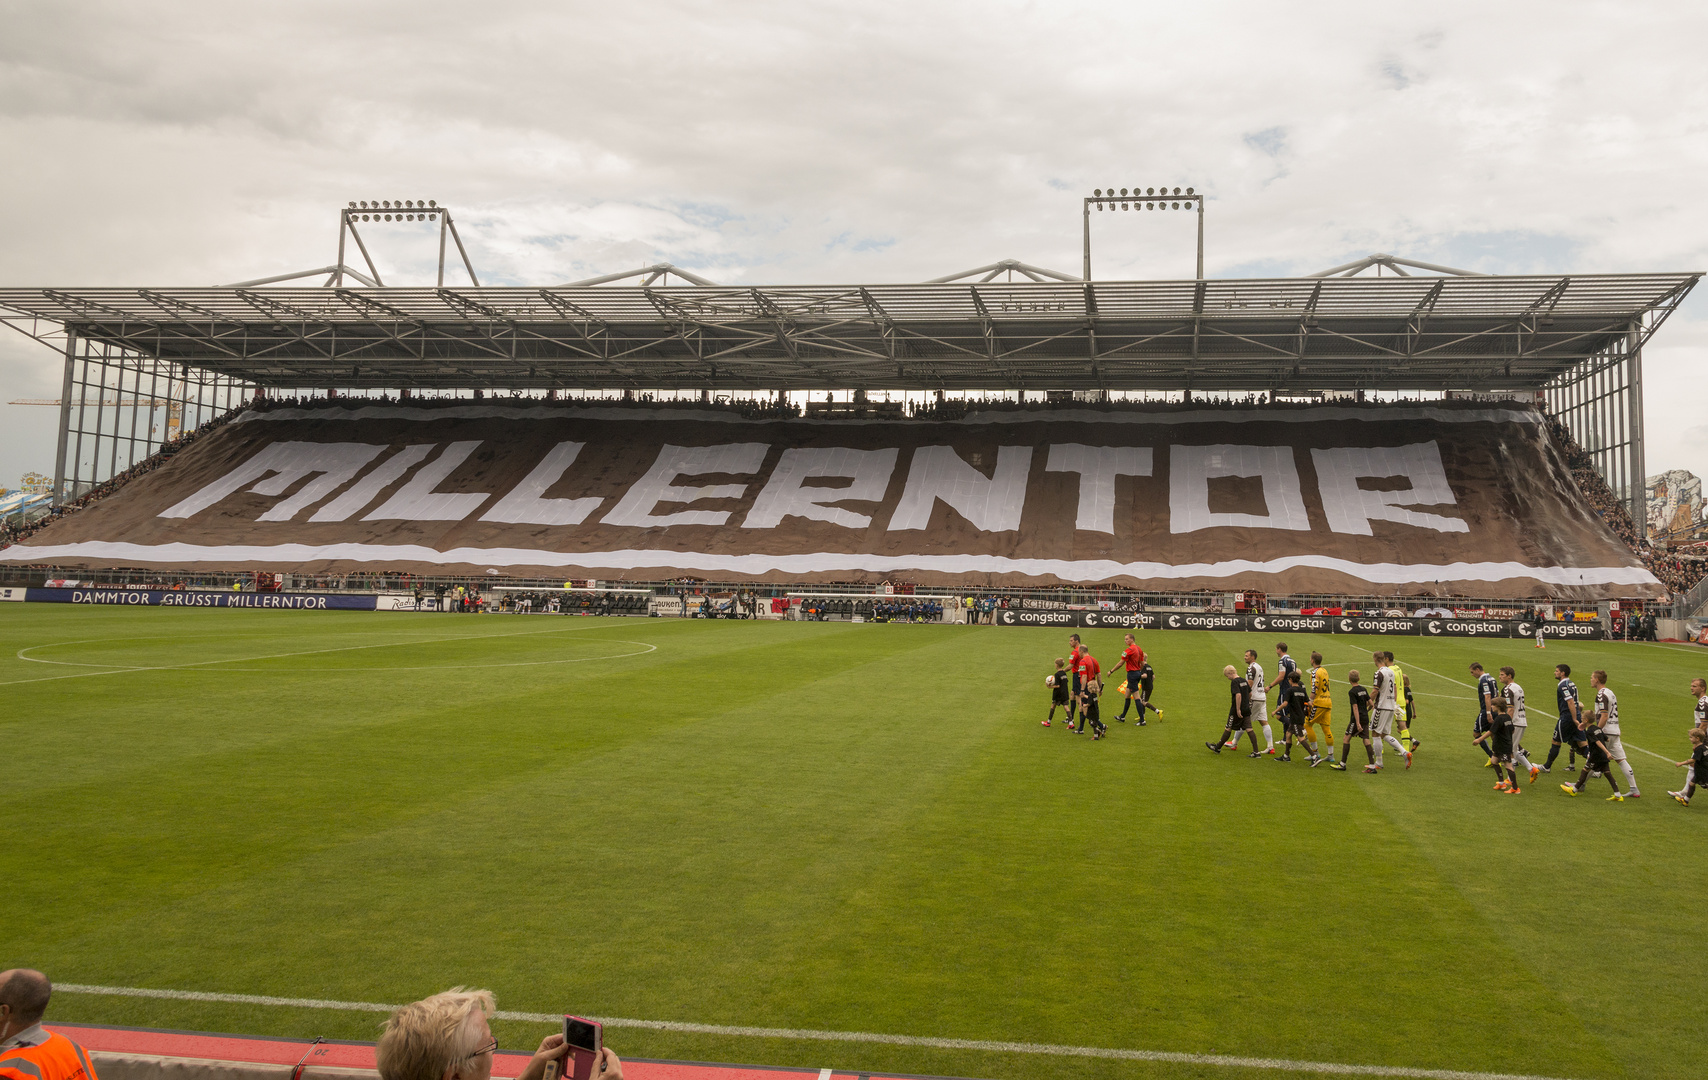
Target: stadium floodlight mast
point(397, 210)
point(1145, 199)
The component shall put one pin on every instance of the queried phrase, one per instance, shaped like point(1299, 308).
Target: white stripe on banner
point(807, 1034)
point(824, 562)
point(1319, 415)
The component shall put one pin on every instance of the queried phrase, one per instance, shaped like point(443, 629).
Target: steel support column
point(64, 417)
point(1634, 405)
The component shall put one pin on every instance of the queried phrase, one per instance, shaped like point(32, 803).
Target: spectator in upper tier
point(448, 1037)
point(27, 1052)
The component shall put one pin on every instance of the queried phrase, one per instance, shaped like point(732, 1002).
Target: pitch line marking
point(807, 1034)
point(120, 670)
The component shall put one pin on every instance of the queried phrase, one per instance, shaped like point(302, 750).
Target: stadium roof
point(1310, 334)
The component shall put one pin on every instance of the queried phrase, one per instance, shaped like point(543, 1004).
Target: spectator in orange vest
point(27, 1052)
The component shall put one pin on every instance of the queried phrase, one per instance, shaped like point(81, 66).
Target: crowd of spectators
point(754, 408)
point(1679, 573)
point(12, 533)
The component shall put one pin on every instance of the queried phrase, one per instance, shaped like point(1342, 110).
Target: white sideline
point(807, 1034)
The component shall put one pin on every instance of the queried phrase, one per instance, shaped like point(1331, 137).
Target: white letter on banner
point(1191, 468)
point(992, 504)
point(417, 501)
point(784, 496)
point(1350, 508)
point(524, 506)
point(368, 488)
point(638, 503)
point(1098, 466)
point(288, 462)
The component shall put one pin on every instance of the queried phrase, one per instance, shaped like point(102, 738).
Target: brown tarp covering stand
point(1338, 500)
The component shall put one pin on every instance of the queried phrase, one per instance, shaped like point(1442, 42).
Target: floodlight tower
point(389, 210)
point(1148, 199)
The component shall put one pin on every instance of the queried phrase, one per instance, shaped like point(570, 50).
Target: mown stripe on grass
point(811, 1035)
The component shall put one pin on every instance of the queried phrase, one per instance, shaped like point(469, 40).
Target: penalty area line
point(810, 1035)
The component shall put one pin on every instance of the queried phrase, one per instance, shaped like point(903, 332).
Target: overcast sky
point(180, 144)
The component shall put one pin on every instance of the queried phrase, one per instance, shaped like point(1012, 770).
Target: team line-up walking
point(1381, 716)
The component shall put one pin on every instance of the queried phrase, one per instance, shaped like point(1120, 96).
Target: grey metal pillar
point(1200, 238)
point(64, 418)
point(1634, 397)
point(1085, 269)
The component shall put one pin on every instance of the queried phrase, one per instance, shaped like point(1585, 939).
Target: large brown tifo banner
point(1394, 500)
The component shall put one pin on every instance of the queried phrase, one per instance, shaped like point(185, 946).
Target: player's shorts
point(1236, 722)
point(1384, 723)
point(1059, 695)
point(1501, 743)
point(1567, 732)
point(1615, 748)
point(1258, 716)
point(1356, 728)
point(1293, 722)
point(1322, 717)
point(1480, 724)
point(1132, 683)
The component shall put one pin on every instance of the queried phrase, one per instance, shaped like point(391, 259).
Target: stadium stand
point(1678, 573)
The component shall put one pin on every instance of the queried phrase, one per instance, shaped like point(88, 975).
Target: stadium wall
point(1376, 501)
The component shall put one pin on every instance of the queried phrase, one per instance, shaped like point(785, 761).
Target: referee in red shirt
point(1133, 659)
point(1085, 674)
point(1075, 652)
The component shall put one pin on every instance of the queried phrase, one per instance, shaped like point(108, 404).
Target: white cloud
point(201, 143)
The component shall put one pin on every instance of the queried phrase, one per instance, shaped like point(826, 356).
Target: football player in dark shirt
point(1147, 683)
point(1595, 761)
point(1089, 689)
point(1499, 736)
point(1058, 681)
point(1239, 714)
point(1697, 763)
point(1295, 704)
point(1357, 725)
point(1568, 729)
point(1488, 692)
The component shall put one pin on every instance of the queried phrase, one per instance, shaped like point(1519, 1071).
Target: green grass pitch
point(828, 826)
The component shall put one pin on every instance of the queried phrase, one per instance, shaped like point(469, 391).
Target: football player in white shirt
point(1514, 695)
point(1699, 688)
point(1259, 701)
point(1387, 703)
point(1607, 719)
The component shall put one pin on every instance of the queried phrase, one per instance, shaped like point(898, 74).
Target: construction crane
point(174, 408)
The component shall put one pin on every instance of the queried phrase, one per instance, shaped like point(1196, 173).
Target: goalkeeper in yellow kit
point(1408, 706)
point(1322, 705)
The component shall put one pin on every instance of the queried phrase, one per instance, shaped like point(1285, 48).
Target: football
point(1050, 681)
